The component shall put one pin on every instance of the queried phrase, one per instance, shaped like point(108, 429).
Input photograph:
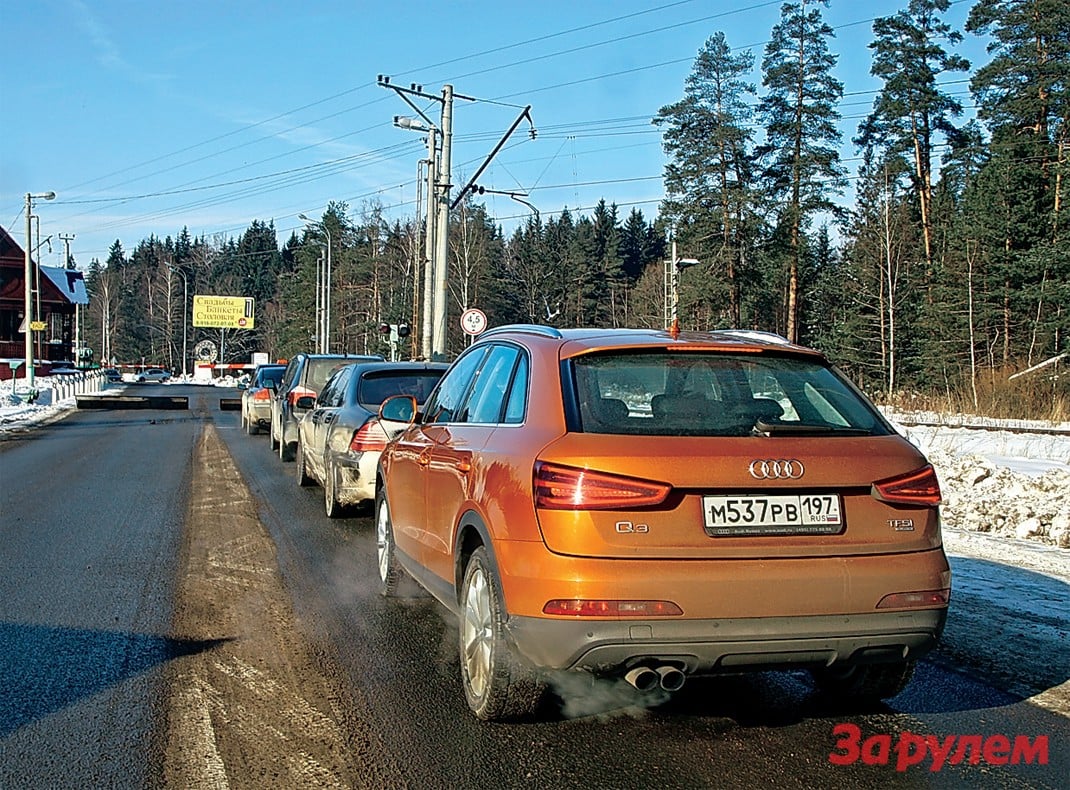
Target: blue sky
point(147, 117)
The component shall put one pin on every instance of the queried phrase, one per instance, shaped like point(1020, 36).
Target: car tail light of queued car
point(652, 505)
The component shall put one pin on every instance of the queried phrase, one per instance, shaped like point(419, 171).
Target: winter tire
point(498, 684)
point(390, 573)
point(331, 504)
point(303, 479)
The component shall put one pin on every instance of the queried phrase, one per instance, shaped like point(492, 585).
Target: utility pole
point(436, 292)
point(27, 318)
point(67, 239)
point(429, 248)
point(438, 208)
point(442, 227)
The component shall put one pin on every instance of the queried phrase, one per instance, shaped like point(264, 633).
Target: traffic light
point(384, 329)
point(403, 330)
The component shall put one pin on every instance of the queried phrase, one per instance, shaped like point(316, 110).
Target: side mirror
point(305, 402)
point(398, 408)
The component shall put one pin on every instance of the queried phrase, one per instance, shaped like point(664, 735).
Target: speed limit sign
point(473, 321)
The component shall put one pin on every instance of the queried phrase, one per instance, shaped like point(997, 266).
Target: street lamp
point(677, 265)
point(323, 328)
point(28, 289)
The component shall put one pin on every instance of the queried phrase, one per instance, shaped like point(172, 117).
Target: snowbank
point(1012, 486)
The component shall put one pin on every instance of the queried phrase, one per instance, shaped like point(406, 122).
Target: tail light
point(919, 487)
point(370, 437)
point(262, 394)
point(568, 488)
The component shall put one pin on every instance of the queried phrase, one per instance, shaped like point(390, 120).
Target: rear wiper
point(764, 428)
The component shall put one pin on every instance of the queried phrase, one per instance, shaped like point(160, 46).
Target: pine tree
point(802, 138)
point(1023, 97)
point(909, 55)
point(708, 181)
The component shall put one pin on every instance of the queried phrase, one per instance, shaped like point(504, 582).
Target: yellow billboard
point(223, 312)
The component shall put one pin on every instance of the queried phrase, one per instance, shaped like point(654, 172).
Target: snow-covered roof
point(70, 283)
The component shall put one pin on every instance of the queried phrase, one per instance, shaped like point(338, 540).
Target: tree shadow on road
point(44, 669)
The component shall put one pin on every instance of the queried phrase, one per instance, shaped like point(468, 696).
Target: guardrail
point(69, 385)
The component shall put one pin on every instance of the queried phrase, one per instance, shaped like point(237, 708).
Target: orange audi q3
point(650, 505)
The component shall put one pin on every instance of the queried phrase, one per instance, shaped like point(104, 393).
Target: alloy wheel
point(477, 632)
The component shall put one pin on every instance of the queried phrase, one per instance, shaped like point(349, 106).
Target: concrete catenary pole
point(439, 349)
point(426, 334)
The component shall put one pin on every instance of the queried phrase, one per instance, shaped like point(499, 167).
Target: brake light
point(370, 437)
point(919, 487)
point(262, 394)
point(569, 488)
point(922, 599)
point(603, 608)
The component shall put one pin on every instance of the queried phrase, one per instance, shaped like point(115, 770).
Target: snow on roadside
point(1006, 494)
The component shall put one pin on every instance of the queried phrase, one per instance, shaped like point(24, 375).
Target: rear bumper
point(738, 614)
point(260, 413)
point(714, 646)
point(357, 477)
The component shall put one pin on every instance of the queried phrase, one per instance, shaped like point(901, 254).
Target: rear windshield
point(717, 394)
point(319, 370)
point(376, 387)
point(270, 377)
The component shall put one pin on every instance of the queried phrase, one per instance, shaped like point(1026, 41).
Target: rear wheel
point(864, 683)
point(303, 479)
point(286, 449)
point(331, 504)
point(498, 684)
point(390, 573)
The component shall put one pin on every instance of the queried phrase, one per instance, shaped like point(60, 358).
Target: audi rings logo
point(779, 469)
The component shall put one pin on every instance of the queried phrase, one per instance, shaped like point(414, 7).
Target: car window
point(376, 386)
point(291, 373)
point(333, 390)
point(271, 377)
point(487, 400)
point(518, 393)
point(319, 370)
point(454, 386)
point(715, 394)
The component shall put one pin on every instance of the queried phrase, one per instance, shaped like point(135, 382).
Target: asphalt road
point(175, 611)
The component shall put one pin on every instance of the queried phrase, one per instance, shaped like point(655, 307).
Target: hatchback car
point(340, 438)
point(305, 375)
point(152, 374)
point(256, 398)
point(650, 505)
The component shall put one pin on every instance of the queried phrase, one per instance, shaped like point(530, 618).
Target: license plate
point(803, 514)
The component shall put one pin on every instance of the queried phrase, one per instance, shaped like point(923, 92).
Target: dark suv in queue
point(305, 375)
point(653, 505)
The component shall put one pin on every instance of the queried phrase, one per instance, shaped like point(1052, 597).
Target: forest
point(946, 274)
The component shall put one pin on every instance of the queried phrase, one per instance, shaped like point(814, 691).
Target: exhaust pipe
point(643, 678)
point(671, 678)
